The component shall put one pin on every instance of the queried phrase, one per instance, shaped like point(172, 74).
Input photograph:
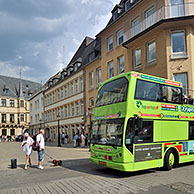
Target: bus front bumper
point(114, 165)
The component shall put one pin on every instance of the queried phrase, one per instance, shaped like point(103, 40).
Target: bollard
point(13, 163)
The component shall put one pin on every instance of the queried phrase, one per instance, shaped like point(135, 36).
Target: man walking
point(40, 143)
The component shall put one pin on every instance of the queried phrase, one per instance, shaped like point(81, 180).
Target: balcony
point(164, 13)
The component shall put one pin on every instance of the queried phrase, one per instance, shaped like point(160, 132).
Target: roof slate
point(13, 86)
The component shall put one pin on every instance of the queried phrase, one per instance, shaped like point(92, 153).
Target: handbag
point(35, 147)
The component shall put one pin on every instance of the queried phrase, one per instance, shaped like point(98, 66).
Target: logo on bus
point(139, 104)
point(187, 109)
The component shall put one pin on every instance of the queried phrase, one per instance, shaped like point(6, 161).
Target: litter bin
point(13, 163)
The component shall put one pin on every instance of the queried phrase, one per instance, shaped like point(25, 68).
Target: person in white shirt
point(82, 140)
point(41, 144)
point(27, 148)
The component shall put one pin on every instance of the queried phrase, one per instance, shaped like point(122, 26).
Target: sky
point(39, 37)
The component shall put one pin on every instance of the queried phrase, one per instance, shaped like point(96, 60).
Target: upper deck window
point(151, 91)
point(112, 92)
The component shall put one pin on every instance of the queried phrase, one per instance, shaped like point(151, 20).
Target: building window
point(3, 102)
point(127, 5)
point(22, 117)
point(91, 79)
point(72, 88)
point(98, 77)
point(76, 86)
point(82, 107)
point(110, 69)
point(91, 57)
point(6, 91)
point(11, 102)
point(119, 37)
point(115, 15)
point(4, 132)
point(21, 103)
point(62, 113)
point(150, 17)
point(135, 26)
point(91, 102)
point(137, 57)
point(11, 118)
point(61, 93)
point(176, 8)
point(66, 111)
point(81, 84)
point(65, 91)
point(12, 132)
point(77, 108)
point(3, 118)
point(151, 51)
point(120, 62)
point(110, 43)
point(58, 94)
point(178, 44)
point(182, 77)
point(72, 110)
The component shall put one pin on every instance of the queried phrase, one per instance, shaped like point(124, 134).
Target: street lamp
point(59, 138)
point(90, 116)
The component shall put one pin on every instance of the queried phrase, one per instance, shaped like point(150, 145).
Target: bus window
point(191, 130)
point(144, 135)
point(172, 94)
point(151, 91)
point(112, 92)
point(147, 91)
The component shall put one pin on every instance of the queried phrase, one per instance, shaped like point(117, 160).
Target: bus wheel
point(169, 160)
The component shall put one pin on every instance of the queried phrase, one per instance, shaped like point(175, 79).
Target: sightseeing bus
point(140, 122)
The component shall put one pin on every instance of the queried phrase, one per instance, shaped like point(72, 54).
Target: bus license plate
point(102, 163)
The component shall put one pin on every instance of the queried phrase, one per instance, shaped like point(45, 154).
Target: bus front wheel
point(169, 160)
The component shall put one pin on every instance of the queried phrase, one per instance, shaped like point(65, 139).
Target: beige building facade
point(153, 37)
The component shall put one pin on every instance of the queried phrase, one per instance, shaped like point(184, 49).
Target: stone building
point(65, 95)
point(37, 118)
point(14, 108)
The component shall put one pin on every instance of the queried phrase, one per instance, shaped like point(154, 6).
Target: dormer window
point(127, 5)
point(30, 94)
point(91, 56)
point(5, 90)
point(115, 15)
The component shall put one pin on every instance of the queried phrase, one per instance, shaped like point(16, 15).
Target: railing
point(165, 12)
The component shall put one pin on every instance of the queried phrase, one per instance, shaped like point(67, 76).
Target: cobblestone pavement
point(78, 175)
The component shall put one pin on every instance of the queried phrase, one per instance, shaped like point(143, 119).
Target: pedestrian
point(41, 144)
point(27, 148)
point(86, 140)
point(75, 141)
point(66, 138)
point(82, 140)
point(63, 137)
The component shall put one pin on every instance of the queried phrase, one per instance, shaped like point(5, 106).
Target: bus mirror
point(139, 123)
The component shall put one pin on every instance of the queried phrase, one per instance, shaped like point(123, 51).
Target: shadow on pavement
point(85, 166)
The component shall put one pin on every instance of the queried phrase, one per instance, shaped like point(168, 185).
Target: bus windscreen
point(107, 132)
point(112, 92)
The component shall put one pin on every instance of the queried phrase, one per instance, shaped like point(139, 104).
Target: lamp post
point(90, 116)
point(59, 137)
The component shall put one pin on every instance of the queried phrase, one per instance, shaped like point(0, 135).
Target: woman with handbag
point(27, 148)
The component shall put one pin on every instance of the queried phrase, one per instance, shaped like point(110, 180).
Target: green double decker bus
point(140, 122)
